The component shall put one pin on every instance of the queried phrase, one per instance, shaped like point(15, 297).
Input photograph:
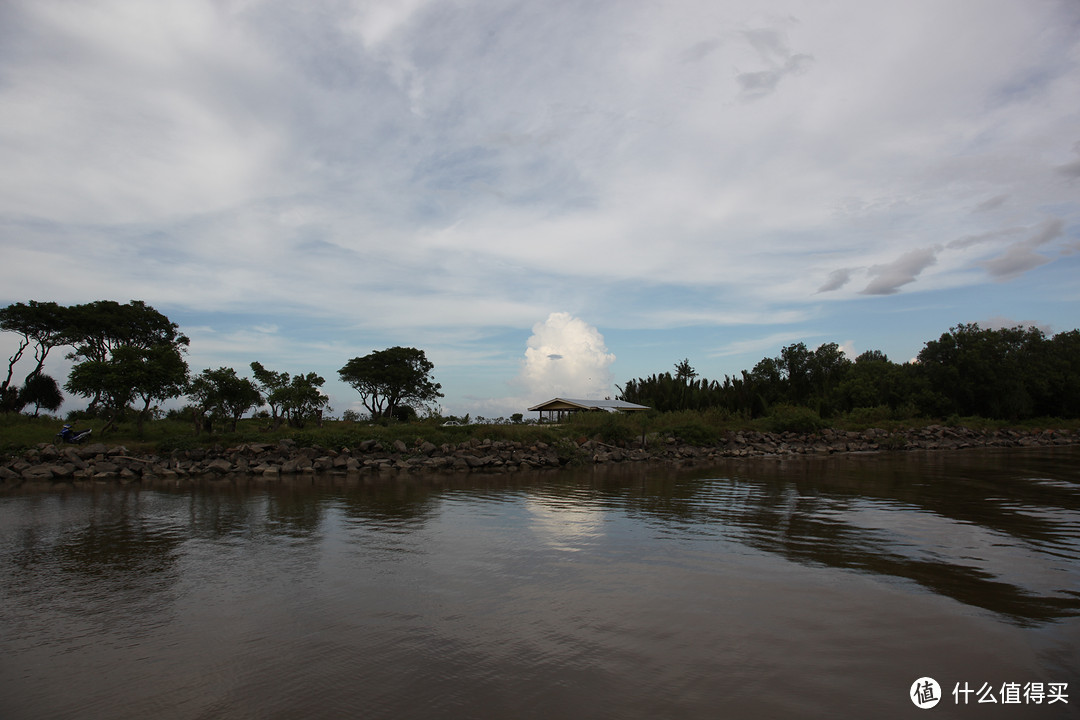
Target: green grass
point(20, 432)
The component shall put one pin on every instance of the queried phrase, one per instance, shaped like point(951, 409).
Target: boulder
point(220, 465)
point(38, 472)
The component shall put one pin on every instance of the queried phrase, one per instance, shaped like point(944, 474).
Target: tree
point(829, 367)
point(124, 353)
point(274, 388)
point(44, 325)
point(684, 374)
point(794, 363)
point(149, 374)
point(158, 373)
point(1057, 392)
point(391, 378)
point(108, 382)
point(222, 394)
point(992, 373)
point(302, 400)
point(41, 391)
point(104, 325)
point(296, 399)
point(130, 344)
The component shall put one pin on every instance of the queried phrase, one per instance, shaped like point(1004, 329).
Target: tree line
point(1009, 374)
point(128, 357)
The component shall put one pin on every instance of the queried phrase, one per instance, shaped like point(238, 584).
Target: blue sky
point(548, 198)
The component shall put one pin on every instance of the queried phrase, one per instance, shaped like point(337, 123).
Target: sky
point(548, 198)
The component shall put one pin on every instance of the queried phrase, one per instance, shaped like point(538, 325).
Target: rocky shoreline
point(51, 464)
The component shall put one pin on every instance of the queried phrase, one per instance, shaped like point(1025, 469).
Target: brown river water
point(793, 588)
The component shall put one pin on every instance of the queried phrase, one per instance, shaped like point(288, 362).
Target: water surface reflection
point(785, 588)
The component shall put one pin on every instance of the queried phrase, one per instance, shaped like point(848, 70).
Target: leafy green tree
point(1056, 389)
point(767, 385)
point(158, 373)
point(390, 379)
point(126, 347)
point(794, 362)
point(274, 387)
point(974, 371)
point(1010, 373)
point(221, 394)
point(684, 376)
point(108, 382)
point(828, 368)
point(104, 325)
point(41, 391)
point(129, 373)
point(303, 401)
point(45, 325)
point(296, 399)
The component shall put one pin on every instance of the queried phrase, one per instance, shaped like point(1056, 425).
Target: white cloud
point(566, 357)
point(891, 276)
point(769, 344)
point(837, 279)
point(1021, 257)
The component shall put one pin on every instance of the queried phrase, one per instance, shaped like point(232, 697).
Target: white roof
point(608, 405)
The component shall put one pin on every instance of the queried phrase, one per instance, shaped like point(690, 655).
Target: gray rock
point(38, 472)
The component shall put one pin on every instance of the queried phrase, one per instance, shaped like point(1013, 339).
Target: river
point(772, 588)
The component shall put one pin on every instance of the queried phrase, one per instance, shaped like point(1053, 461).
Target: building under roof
point(558, 408)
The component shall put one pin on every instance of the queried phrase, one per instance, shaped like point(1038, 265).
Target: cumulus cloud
point(890, 277)
point(566, 357)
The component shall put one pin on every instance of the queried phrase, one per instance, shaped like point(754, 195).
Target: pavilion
point(558, 408)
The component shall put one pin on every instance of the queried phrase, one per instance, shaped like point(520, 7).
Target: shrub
point(869, 416)
point(568, 452)
point(696, 434)
point(793, 418)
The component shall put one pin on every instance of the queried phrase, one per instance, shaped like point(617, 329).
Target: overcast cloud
point(300, 183)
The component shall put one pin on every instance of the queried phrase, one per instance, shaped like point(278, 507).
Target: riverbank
point(48, 463)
